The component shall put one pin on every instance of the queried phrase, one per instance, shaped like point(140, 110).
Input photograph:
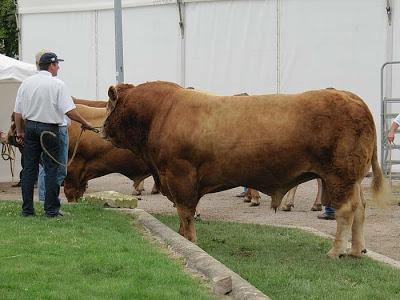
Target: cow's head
point(73, 190)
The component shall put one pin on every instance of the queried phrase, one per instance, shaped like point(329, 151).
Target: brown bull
point(196, 143)
point(96, 157)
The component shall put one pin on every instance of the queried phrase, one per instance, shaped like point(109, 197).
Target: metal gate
point(387, 117)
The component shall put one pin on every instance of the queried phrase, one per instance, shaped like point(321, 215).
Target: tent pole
point(181, 7)
point(119, 51)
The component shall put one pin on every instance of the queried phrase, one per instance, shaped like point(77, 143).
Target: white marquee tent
point(12, 72)
point(228, 46)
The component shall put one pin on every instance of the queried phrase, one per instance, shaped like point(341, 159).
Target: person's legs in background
point(63, 155)
point(41, 183)
point(329, 214)
point(243, 194)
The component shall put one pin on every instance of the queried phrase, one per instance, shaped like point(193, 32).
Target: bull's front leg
point(137, 187)
point(186, 228)
point(288, 200)
point(253, 197)
point(181, 190)
point(155, 190)
point(317, 206)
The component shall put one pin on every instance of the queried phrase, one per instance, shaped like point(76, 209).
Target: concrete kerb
point(203, 263)
point(196, 258)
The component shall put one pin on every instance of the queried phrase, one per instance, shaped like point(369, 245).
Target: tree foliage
point(8, 29)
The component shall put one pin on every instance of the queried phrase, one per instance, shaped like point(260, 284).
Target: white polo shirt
point(44, 98)
point(397, 120)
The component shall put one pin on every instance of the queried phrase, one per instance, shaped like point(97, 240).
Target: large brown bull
point(196, 143)
point(96, 157)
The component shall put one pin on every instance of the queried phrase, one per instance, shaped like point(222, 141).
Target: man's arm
point(392, 132)
point(20, 125)
point(73, 114)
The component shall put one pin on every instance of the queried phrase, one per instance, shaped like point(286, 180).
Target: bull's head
point(113, 123)
point(111, 105)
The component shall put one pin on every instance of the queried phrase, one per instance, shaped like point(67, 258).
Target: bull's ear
point(112, 94)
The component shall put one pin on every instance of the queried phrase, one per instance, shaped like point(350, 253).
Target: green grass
point(90, 254)
point(291, 264)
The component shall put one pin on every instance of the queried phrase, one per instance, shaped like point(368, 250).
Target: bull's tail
point(381, 192)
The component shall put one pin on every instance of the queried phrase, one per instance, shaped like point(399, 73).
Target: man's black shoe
point(58, 214)
point(23, 214)
point(54, 215)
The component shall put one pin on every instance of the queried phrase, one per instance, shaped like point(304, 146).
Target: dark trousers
point(32, 151)
point(22, 162)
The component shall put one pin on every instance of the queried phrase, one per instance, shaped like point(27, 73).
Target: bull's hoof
point(355, 254)
point(287, 207)
point(335, 254)
point(254, 204)
point(316, 207)
point(197, 216)
point(364, 251)
point(247, 200)
point(136, 193)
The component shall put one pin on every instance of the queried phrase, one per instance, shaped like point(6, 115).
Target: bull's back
point(271, 135)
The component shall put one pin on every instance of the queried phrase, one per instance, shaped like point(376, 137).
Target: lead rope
point(95, 129)
point(8, 153)
point(390, 162)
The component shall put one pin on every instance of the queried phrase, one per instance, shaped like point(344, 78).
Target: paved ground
point(382, 228)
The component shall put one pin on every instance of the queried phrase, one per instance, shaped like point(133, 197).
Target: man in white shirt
point(41, 105)
point(63, 151)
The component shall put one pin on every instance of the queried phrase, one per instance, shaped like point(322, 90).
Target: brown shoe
point(326, 216)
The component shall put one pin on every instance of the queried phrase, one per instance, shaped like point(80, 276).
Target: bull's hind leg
point(344, 220)
point(357, 241)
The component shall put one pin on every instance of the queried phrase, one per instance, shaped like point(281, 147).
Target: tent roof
point(12, 69)
point(47, 6)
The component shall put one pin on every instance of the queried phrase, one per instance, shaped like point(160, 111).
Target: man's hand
point(88, 126)
point(3, 137)
point(390, 136)
point(20, 138)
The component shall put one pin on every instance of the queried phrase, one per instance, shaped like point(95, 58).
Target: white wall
point(71, 36)
point(231, 46)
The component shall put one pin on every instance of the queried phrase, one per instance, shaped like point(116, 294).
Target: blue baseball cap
point(49, 58)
